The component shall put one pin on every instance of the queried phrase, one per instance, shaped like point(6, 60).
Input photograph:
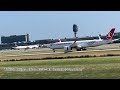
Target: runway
point(98, 50)
point(53, 53)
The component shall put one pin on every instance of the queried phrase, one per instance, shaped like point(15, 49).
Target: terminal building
point(14, 38)
point(7, 42)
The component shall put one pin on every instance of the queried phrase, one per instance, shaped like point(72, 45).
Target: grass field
point(88, 68)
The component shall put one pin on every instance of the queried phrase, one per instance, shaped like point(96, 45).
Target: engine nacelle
point(67, 49)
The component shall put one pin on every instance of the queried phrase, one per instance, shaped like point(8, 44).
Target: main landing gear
point(81, 49)
point(53, 50)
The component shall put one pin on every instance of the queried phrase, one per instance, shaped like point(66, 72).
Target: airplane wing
point(74, 44)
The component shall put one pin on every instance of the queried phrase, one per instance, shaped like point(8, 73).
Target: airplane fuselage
point(79, 44)
point(26, 47)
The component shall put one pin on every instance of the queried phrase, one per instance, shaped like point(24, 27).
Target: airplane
point(82, 45)
point(26, 47)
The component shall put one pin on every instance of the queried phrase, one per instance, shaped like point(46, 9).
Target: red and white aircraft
point(82, 45)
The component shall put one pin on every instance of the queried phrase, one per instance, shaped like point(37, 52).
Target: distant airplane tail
point(99, 37)
point(59, 40)
point(109, 36)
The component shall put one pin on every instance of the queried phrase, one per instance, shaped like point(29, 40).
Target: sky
point(58, 24)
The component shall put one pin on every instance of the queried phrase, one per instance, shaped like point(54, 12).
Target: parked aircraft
point(82, 45)
point(26, 47)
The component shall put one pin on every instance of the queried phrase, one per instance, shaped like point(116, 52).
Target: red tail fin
point(109, 36)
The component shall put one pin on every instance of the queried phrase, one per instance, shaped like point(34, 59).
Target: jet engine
point(67, 49)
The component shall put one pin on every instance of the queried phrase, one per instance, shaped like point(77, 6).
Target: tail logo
point(110, 34)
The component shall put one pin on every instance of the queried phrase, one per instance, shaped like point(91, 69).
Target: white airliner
point(82, 45)
point(26, 47)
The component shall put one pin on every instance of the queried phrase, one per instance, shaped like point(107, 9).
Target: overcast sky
point(58, 24)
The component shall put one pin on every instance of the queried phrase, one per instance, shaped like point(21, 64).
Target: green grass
point(91, 68)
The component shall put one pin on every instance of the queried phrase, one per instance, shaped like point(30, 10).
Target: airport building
point(14, 38)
